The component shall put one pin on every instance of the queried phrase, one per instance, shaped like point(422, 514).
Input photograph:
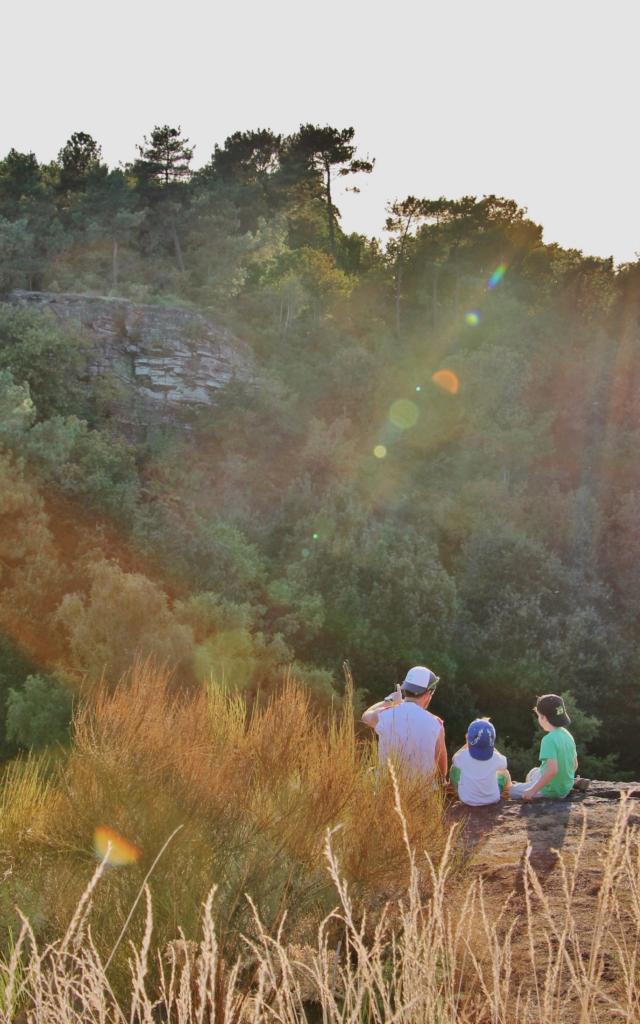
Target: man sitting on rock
point(408, 732)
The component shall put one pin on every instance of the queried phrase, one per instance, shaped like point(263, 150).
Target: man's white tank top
point(409, 734)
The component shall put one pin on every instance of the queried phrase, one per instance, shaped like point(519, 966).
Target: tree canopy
point(436, 461)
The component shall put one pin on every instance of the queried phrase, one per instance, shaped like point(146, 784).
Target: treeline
point(351, 505)
point(155, 227)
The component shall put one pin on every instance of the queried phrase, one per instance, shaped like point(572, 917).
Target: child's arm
point(454, 776)
point(550, 772)
point(504, 782)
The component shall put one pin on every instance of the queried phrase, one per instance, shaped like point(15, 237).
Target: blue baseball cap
point(481, 738)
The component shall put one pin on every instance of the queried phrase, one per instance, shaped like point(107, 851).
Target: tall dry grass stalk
point(449, 958)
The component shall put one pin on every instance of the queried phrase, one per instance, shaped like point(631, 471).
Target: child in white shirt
point(478, 771)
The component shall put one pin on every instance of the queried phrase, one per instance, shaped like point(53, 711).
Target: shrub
point(39, 713)
point(252, 793)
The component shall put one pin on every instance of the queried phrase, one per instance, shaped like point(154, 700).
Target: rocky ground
point(498, 836)
point(497, 839)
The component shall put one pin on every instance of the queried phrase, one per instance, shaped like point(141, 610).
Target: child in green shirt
point(558, 760)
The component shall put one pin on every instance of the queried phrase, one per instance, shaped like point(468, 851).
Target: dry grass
point(253, 795)
point(427, 961)
point(24, 796)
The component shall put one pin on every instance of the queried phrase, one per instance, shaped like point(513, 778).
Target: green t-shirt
point(559, 745)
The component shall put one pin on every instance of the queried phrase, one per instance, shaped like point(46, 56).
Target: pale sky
point(535, 101)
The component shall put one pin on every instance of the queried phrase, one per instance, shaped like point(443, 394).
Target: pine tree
point(164, 157)
point(319, 150)
point(162, 169)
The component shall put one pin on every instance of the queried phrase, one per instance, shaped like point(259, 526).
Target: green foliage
point(19, 178)
point(120, 617)
point(164, 157)
point(17, 411)
point(85, 463)
point(247, 157)
point(231, 650)
point(217, 269)
point(39, 351)
point(386, 597)
point(16, 253)
point(78, 158)
point(315, 151)
point(38, 714)
point(30, 570)
point(204, 549)
point(496, 536)
point(15, 667)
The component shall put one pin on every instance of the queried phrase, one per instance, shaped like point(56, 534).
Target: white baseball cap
point(419, 680)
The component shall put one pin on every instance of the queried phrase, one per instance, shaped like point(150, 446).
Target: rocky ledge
point(499, 837)
point(167, 357)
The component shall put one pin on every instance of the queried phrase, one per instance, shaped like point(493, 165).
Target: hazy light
point(109, 845)
point(472, 318)
point(404, 414)
point(447, 380)
point(418, 388)
point(315, 536)
point(497, 275)
point(379, 451)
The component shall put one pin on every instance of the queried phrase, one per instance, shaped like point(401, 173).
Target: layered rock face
point(165, 358)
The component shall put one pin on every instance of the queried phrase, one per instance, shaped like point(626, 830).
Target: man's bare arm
point(372, 714)
point(442, 761)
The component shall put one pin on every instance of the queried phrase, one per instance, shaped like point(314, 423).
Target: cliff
point(165, 359)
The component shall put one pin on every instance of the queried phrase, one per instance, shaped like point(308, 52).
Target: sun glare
point(447, 381)
point(110, 846)
point(497, 275)
point(404, 414)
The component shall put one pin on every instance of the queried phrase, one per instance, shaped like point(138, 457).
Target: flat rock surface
point(498, 836)
point(577, 830)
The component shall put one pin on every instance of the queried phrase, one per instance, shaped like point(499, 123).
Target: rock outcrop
point(499, 837)
point(165, 358)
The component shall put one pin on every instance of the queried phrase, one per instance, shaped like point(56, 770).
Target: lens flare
point(315, 536)
point(109, 845)
point(404, 414)
point(472, 318)
point(418, 387)
point(497, 275)
point(447, 380)
point(379, 451)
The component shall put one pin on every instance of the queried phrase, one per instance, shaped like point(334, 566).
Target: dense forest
point(436, 463)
